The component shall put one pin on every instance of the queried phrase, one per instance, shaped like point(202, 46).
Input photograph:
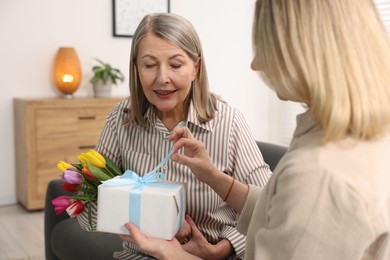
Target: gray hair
point(180, 32)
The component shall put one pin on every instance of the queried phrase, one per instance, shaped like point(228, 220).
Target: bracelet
point(230, 189)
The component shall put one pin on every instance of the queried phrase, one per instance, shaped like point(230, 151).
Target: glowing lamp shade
point(67, 71)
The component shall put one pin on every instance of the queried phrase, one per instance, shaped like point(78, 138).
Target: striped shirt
point(230, 145)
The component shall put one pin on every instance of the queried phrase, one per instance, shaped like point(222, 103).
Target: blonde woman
point(329, 197)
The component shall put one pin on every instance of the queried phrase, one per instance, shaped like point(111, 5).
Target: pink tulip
point(61, 203)
point(76, 208)
point(71, 176)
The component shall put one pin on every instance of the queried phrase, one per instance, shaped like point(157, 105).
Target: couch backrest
point(271, 153)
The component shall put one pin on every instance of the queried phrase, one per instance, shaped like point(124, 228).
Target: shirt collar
point(305, 124)
point(192, 118)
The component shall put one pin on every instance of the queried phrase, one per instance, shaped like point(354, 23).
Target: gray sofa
point(64, 239)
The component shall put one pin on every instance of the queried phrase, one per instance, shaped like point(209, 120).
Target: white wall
point(32, 31)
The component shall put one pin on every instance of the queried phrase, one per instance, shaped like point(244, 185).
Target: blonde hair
point(332, 55)
point(179, 31)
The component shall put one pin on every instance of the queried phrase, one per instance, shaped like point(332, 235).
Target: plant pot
point(102, 90)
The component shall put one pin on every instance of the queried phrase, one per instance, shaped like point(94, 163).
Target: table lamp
point(67, 71)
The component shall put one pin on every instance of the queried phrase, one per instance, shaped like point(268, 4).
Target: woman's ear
point(196, 69)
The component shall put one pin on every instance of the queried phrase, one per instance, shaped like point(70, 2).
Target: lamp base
point(68, 96)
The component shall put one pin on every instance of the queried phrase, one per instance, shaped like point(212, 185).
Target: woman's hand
point(195, 155)
point(198, 160)
point(156, 247)
point(199, 246)
point(184, 234)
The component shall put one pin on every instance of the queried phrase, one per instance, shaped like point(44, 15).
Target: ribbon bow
point(129, 177)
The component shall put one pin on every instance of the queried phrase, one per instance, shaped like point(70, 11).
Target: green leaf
point(104, 71)
point(112, 167)
point(89, 182)
point(98, 173)
point(78, 166)
point(113, 79)
point(82, 197)
point(87, 191)
point(101, 62)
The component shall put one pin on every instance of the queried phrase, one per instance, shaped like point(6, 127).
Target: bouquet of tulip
point(83, 179)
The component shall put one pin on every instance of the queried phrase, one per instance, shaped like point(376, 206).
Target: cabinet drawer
point(70, 122)
point(50, 151)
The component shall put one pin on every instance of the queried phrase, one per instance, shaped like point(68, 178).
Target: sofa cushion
point(69, 241)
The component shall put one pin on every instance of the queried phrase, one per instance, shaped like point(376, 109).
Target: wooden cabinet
point(50, 130)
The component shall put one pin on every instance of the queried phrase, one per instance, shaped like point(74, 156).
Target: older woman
point(169, 89)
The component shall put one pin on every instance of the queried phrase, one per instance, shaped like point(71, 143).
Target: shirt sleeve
point(246, 161)
point(236, 239)
point(247, 166)
point(254, 194)
point(312, 215)
point(108, 143)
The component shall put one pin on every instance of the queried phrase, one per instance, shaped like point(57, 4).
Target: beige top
point(323, 201)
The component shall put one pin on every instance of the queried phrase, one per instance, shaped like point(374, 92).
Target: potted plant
point(104, 76)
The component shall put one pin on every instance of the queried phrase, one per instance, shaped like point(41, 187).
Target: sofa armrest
point(50, 218)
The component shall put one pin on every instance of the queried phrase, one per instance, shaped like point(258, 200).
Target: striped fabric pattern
point(383, 7)
point(231, 147)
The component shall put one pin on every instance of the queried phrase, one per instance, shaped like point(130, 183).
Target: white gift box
point(157, 209)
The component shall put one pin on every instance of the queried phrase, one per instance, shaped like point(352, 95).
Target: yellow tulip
point(82, 158)
point(62, 166)
point(93, 157)
point(96, 159)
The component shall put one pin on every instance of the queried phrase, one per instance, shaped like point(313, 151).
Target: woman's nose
point(254, 64)
point(163, 75)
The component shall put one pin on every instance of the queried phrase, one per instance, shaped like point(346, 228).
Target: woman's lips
point(164, 93)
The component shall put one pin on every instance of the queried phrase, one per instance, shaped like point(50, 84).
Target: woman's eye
point(150, 66)
point(176, 66)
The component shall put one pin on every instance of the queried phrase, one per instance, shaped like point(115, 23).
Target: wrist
point(178, 254)
point(215, 177)
point(166, 255)
point(222, 250)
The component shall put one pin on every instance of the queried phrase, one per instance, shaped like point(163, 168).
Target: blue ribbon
point(129, 177)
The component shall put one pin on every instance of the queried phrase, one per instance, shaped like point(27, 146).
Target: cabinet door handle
point(85, 147)
point(87, 117)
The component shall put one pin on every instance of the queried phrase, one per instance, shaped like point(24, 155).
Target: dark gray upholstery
point(271, 153)
point(64, 239)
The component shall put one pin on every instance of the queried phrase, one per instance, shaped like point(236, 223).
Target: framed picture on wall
point(127, 14)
